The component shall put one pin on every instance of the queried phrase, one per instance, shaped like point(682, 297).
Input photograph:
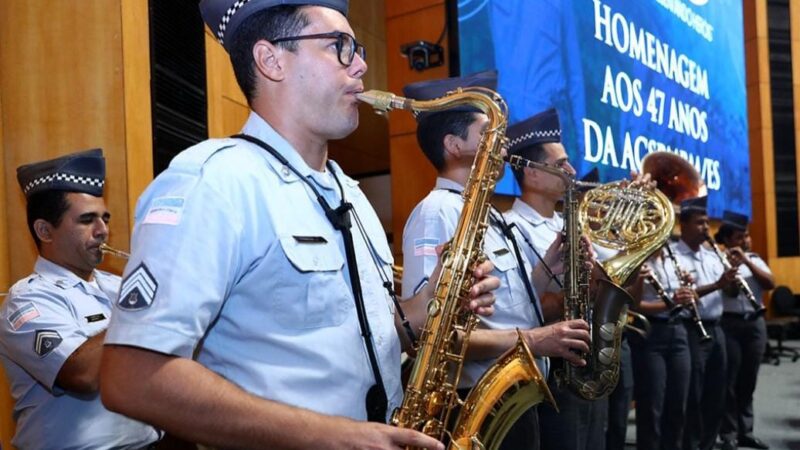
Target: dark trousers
point(662, 370)
point(523, 434)
point(619, 401)
point(580, 424)
point(706, 401)
point(745, 341)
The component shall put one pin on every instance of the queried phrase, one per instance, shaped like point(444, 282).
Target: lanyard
point(377, 401)
point(509, 235)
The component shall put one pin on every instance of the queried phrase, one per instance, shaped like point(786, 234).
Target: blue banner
point(627, 78)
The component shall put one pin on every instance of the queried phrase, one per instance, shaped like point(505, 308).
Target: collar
point(683, 248)
point(448, 184)
point(258, 127)
point(59, 275)
point(555, 223)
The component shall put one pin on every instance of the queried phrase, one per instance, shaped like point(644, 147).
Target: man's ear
point(43, 230)
point(267, 58)
point(452, 145)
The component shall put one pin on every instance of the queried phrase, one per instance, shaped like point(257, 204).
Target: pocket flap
point(312, 255)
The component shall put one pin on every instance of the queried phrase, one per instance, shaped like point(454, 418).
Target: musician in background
point(54, 321)
point(661, 361)
point(745, 332)
point(580, 423)
point(450, 141)
point(256, 310)
point(706, 399)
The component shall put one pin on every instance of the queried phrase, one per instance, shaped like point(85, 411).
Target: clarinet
point(692, 305)
point(738, 281)
point(674, 308)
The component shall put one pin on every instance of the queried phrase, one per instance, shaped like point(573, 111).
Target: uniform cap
point(223, 17)
point(735, 220)
point(541, 128)
point(697, 204)
point(77, 172)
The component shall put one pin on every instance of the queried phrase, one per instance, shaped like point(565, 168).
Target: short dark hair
point(268, 24)
point(432, 129)
point(725, 232)
point(46, 205)
point(533, 153)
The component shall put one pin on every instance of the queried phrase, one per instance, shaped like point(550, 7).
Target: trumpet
point(738, 281)
point(105, 248)
point(704, 336)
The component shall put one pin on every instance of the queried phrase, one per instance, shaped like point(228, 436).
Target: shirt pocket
point(505, 263)
point(317, 295)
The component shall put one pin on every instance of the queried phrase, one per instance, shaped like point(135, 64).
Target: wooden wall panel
point(764, 227)
point(6, 402)
point(412, 175)
point(138, 109)
point(62, 88)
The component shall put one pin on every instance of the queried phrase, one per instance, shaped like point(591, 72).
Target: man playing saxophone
point(706, 399)
point(255, 311)
point(745, 332)
point(579, 424)
point(449, 140)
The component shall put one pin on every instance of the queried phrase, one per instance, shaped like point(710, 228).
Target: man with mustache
point(54, 321)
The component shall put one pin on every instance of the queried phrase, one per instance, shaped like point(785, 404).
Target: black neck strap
point(340, 219)
point(497, 219)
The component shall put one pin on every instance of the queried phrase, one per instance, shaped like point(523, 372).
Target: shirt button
point(285, 171)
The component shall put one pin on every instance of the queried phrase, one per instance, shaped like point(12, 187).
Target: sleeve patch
point(165, 211)
point(46, 341)
point(23, 315)
point(138, 289)
point(425, 246)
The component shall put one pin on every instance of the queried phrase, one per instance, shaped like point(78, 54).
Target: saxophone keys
point(607, 356)
point(434, 306)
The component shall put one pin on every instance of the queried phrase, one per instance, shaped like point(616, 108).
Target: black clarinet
point(674, 308)
point(738, 281)
point(692, 305)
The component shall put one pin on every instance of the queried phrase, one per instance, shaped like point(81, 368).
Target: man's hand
point(737, 257)
point(480, 299)
point(377, 436)
point(727, 278)
point(684, 295)
point(642, 180)
point(559, 340)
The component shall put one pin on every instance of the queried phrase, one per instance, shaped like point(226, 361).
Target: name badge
point(501, 252)
point(310, 239)
point(95, 318)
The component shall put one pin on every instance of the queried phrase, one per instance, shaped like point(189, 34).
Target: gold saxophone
point(513, 384)
point(633, 220)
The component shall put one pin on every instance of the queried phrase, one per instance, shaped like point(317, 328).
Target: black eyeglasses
point(346, 45)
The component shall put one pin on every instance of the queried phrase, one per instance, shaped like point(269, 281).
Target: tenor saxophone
point(513, 384)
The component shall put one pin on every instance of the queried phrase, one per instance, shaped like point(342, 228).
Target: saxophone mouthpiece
point(382, 102)
point(105, 248)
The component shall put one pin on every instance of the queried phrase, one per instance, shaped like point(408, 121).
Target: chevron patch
point(138, 289)
point(45, 341)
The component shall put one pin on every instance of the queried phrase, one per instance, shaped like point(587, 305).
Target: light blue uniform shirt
point(45, 318)
point(536, 231)
point(230, 248)
point(433, 222)
point(740, 304)
point(705, 268)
